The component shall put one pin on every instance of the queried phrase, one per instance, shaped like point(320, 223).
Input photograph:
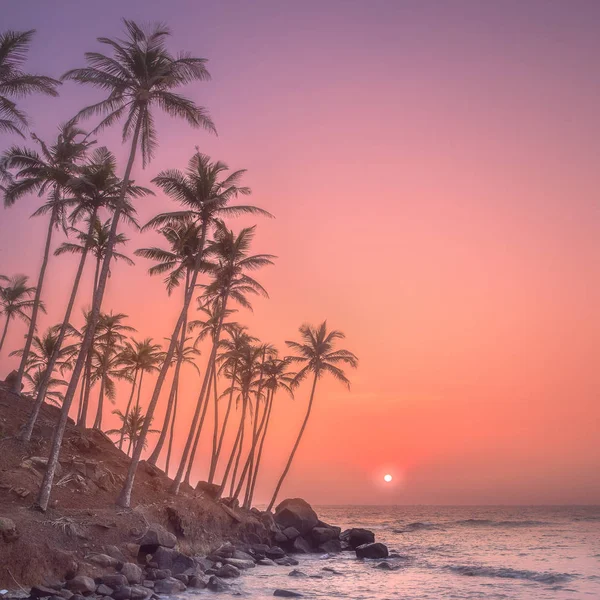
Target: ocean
point(491, 553)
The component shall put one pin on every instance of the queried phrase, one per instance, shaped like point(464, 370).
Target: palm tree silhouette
point(16, 83)
point(16, 300)
point(140, 75)
point(132, 425)
point(317, 355)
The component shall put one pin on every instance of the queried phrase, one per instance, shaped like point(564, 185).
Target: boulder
point(275, 552)
point(197, 582)
point(81, 584)
point(139, 592)
point(331, 547)
point(8, 530)
point(241, 555)
point(41, 591)
point(114, 580)
point(265, 562)
point(104, 590)
point(259, 550)
point(103, 560)
point(210, 490)
point(386, 566)
point(301, 546)
point(357, 537)
point(122, 593)
point(295, 512)
point(157, 536)
point(287, 561)
point(173, 560)
point(320, 535)
point(376, 550)
point(297, 573)
point(217, 585)
point(238, 563)
point(115, 552)
point(132, 572)
point(280, 537)
point(291, 533)
point(331, 570)
point(286, 594)
point(169, 586)
point(228, 572)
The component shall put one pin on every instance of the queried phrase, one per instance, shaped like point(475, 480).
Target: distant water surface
point(449, 553)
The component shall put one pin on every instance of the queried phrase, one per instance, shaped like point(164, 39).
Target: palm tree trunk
point(171, 432)
point(215, 458)
point(139, 393)
point(87, 389)
point(163, 431)
point(98, 419)
point(238, 455)
point(46, 487)
point(4, 332)
point(291, 458)
point(238, 439)
point(260, 448)
point(80, 407)
point(216, 420)
point(61, 336)
point(122, 436)
point(124, 498)
point(36, 306)
point(129, 446)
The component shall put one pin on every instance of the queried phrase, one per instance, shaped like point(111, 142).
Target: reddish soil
point(83, 517)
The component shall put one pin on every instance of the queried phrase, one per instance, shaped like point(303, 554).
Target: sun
point(387, 478)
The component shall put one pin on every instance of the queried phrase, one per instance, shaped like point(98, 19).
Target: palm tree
point(54, 392)
point(48, 171)
point(206, 197)
point(139, 358)
point(94, 187)
point(140, 75)
point(16, 300)
point(317, 355)
point(229, 282)
point(132, 425)
point(16, 83)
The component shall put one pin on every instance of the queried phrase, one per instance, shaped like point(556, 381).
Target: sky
point(432, 167)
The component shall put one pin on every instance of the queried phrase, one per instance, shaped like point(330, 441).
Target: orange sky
point(432, 169)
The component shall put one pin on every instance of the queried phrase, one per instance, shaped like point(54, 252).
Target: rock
point(265, 562)
point(267, 519)
point(185, 579)
point(291, 533)
point(297, 573)
point(8, 530)
point(275, 552)
point(301, 546)
point(139, 592)
point(217, 585)
point(132, 572)
point(280, 538)
point(133, 549)
point(287, 594)
point(228, 572)
point(11, 379)
point(320, 535)
point(239, 563)
point(157, 536)
point(66, 594)
point(204, 563)
point(357, 537)
point(241, 555)
point(210, 490)
point(147, 583)
point(40, 591)
point(104, 590)
point(173, 560)
point(295, 512)
point(197, 582)
point(386, 566)
point(114, 580)
point(81, 584)
point(331, 547)
point(169, 586)
point(331, 570)
point(114, 552)
point(122, 593)
point(286, 561)
point(376, 550)
point(258, 550)
point(103, 560)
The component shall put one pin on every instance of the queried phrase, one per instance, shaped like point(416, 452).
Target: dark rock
point(241, 555)
point(331, 547)
point(40, 591)
point(132, 572)
point(148, 583)
point(297, 573)
point(157, 536)
point(139, 592)
point(291, 533)
point(376, 550)
point(185, 579)
point(66, 594)
point(114, 580)
point(301, 546)
point(259, 550)
point(266, 562)
point(357, 537)
point(320, 535)
point(115, 553)
point(210, 490)
point(8, 530)
point(287, 561)
point(204, 563)
point(331, 570)
point(287, 594)
point(268, 520)
point(81, 584)
point(295, 512)
point(102, 560)
point(228, 572)
point(239, 563)
point(197, 582)
point(275, 552)
point(217, 585)
point(280, 538)
point(386, 566)
point(122, 593)
point(104, 590)
point(173, 560)
point(169, 586)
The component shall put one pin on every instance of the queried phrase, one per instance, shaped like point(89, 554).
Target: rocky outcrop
point(375, 550)
point(157, 536)
point(297, 513)
point(357, 537)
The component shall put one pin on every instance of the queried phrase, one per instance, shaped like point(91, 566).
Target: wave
point(507, 573)
point(492, 523)
point(418, 526)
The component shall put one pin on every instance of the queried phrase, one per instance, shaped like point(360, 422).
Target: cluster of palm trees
point(208, 264)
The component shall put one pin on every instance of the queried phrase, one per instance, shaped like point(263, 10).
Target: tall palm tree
point(16, 300)
point(316, 354)
point(15, 83)
point(139, 358)
point(46, 171)
point(140, 75)
point(132, 425)
point(230, 281)
point(206, 196)
point(95, 187)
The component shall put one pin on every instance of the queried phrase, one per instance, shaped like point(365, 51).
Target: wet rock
point(217, 585)
point(239, 563)
point(291, 533)
point(241, 555)
point(301, 546)
point(376, 550)
point(265, 562)
point(103, 560)
point(40, 591)
point(275, 552)
point(8, 530)
point(81, 585)
point(287, 561)
point(169, 586)
point(157, 536)
point(331, 570)
point(297, 573)
point(228, 572)
point(331, 547)
point(287, 594)
point(295, 512)
point(357, 537)
point(132, 572)
point(386, 566)
point(259, 550)
point(104, 590)
point(114, 580)
point(122, 593)
point(320, 535)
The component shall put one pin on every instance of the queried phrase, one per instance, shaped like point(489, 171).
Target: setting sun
point(387, 478)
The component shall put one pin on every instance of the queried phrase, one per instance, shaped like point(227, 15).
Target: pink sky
point(433, 171)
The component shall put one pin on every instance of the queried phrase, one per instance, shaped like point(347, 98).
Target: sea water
point(491, 553)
